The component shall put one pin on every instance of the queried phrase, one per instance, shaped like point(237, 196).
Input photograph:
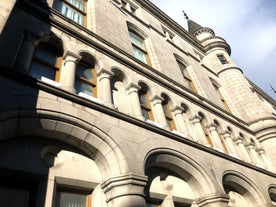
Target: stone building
point(110, 103)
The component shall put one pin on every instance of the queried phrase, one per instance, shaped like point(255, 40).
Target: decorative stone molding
point(124, 185)
point(213, 200)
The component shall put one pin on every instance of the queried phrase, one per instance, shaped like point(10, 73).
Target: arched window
point(167, 112)
point(188, 81)
point(86, 79)
point(46, 62)
point(144, 102)
point(219, 94)
point(138, 47)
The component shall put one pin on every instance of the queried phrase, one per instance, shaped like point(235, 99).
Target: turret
point(246, 103)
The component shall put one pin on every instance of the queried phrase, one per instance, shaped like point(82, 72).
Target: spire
point(195, 28)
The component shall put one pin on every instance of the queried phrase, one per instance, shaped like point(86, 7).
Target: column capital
point(156, 99)
point(71, 56)
point(32, 37)
point(177, 110)
point(124, 185)
point(211, 127)
point(226, 134)
point(104, 73)
point(261, 151)
point(195, 119)
point(213, 199)
point(132, 87)
point(239, 139)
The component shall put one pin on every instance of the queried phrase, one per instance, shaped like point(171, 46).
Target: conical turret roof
point(195, 28)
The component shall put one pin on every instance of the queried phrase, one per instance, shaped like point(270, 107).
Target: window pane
point(38, 70)
point(140, 55)
point(71, 13)
point(85, 71)
point(77, 3)
point(145, 114)
point(83, 87)
point(143, 99)
point(14, 197)
point(136, 40)
point(46, 54)
point(165, 109)
point(72, 200)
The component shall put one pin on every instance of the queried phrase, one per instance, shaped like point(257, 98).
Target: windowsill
point(235, 156)
point(51, 82)
point(154, 123)
point(179, 133)
point(91, 98)
point(217, 149)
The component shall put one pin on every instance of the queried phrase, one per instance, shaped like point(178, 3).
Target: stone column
point(254, 155)
point(177, 112)
point(266, 161)
point(68, 71)
point(213, 200)
point(25, 56)
point(158, 111)
point(105, 93)
point(229, 143)
point(215, 138)
point(135, 111)
point(199, 131)
point(125, 190)
point(246, 157)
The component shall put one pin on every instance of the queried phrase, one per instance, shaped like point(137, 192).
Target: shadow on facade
point(24, 163)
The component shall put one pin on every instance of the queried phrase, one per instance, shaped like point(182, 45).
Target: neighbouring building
point(111, 103)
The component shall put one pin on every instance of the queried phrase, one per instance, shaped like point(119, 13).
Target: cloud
point(249, 26)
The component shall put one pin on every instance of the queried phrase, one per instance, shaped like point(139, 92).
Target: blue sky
point(249, 26)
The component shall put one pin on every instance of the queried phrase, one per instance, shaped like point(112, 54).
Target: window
point(85, 81)
point(167, 113)
point(73, 9)
point(72, 198)
point(222, 59)
point(221, 98)
point(145, 104)
point(18, 190)
point(186, 75)
point(138, 47)
point(45, 62)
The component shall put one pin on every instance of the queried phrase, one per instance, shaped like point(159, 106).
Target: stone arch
point(188, 110)
point(122, 76)
point(132, 27)
point(206, 120)
point(52, 39)
point(238, 183)
point(83, 135)
point(182, 60)
point(220, 126)
point(180, 165)
point(89, 58)
point(144, 85)
point(272, 193)
point(167, 99)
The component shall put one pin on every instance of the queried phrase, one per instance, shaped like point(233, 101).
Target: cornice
point(164, 18)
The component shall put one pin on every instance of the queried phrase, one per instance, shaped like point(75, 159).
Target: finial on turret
point(185, 15)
